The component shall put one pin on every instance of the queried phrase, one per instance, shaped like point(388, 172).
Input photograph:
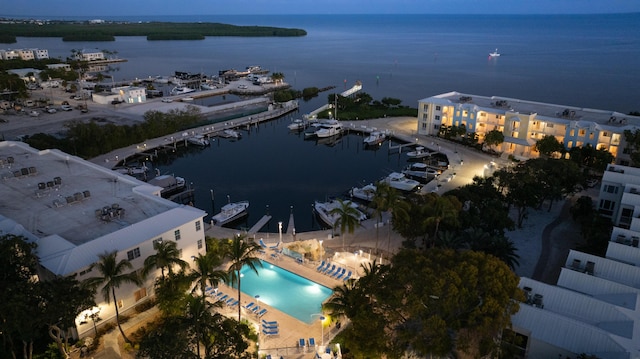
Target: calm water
point(580, 60)
point(285, 291)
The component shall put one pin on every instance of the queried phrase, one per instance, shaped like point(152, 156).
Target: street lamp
point(280, 230)
point(322, 318)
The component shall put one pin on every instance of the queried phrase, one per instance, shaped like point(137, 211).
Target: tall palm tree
point(347, 218)
point(205, 272)
point(167, 256)
point(440, 209)
point(384, 199)
point(113, 276)
point(241, 252)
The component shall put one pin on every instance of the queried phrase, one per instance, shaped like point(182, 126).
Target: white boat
point(365, 193)
point(229, 133)
point(494, 54)
point(230, 212)
point(399, 181)
point(170, 184)
point(323, 209)
point(206, 86)
point(420, 172)
point(161, 80)
point(310, 132)
point(181, 90)
point(186, 99)
point(199, 140)
point(375, 138)
point(296, 125)
point(419, 152)
point(328, 129)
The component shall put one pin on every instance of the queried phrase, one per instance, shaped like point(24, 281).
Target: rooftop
point(73, 205)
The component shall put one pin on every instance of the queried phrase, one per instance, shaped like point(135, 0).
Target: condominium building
point(75, 210)
point(24, 54)
point(524, 122)
point(85, 55)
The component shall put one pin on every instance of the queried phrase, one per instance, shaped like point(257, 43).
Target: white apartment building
point(131, 94)
point(525, 122)
point(75, 210)
point(85, 55)
point(10, 54)
point(24, 54)
point(40, 54)
point(594, 308)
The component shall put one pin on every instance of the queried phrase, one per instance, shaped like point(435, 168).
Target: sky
point(50, 9)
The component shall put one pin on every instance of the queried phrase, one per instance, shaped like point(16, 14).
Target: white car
point(50, 110)
point(66, 108)
point(167, 100)
point(34, 113)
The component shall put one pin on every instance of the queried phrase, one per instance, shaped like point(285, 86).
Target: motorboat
point(187, 99)
point(375, 138)
point(230, 133)
point(399, 181)
point(364, 193)
point(296, 125)
point(199, 140)
point(230, 212)
point(494, 54)
point(328, 129)
point(170, 184)
point(310, 132)
point(419, 152)
point(206, 86)
point(181, 90)
point(161, 80)
point(420, 172)
point(323, 209)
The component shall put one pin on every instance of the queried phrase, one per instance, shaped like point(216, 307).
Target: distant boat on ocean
point(494, 54)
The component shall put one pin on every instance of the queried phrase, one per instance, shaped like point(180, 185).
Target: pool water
point(285, 291)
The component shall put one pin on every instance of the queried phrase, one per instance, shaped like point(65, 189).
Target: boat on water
point(420, 172)
point(375, 138)
point(329, 128)
point(161, 80)
point(419, 152)
point(206, 86)
point(187, 99)
point(364, 193)
point(230, 212)
point(323, 209)
point(400, 182)
point(181, 90)
point(170, 184)
point(296, 125)
point(199, 140)
point(494, 54)
point(310, 132)
point(230, 133)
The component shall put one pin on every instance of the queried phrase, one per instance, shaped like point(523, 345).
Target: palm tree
point(167, 256)
point(384, 199)
point(205, 272)
point(112, 277)
point(344, 301)
point(441, 209)
point(347, 218)
point(241, 252)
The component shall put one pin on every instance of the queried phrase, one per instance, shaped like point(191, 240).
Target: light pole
point(280, 230)
point(322, 318)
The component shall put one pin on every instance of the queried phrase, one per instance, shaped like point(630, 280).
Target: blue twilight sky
point(48, 9)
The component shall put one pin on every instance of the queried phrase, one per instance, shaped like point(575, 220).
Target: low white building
point(10, 54)
point(75, 210)
point(85, 55)
point(24, 54)
point(131, 94)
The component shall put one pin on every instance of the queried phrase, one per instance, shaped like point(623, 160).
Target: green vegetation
point(84, 31)
point(362, 107)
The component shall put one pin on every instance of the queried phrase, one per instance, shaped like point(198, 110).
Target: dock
point(357, 87)
point(261, 223)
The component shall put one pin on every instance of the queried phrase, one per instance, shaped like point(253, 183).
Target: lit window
point(139, 294)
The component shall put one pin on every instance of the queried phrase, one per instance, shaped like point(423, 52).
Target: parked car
point(34, 113)
point(66, 108)
point(50, 110)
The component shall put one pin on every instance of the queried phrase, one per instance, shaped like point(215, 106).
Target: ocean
point(576, 60)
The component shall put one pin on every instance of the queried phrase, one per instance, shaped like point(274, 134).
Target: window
point(458, 113)
point(435, 127)
point(605, 134)
point(424, 126)
point(550, 125)
point(139, 294)
point(606, 207)
point(156, 242)
point(133, 254)
point(198, 226)
point(199, 243)
point(610, 189)
point(498, 117)
point(437, 117)
point(582, 132)
point(572, 133)
point(176, 233)
point(425, 107)
point(120, 303)
point(472, 116)
point(437, 108)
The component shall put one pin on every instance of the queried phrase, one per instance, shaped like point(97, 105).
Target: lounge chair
point(262, 244)
point(270, 331)
point(233, 303)
point(262, 312)
point(347, 276)
point(223, 298)
point(312, 342)
point(255, 309)
point(269, 326)
point(249, 306)
point(339, 272)
point(321, 266)
point(275, 246)
point(218, 294)
point(301, 343)
point(339, 276)
point(333, 267)
point(230, 300)
point(269, 322)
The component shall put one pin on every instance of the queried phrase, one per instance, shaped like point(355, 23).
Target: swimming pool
point(285, 291)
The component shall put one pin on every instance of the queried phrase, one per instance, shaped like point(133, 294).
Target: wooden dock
point(261, 223)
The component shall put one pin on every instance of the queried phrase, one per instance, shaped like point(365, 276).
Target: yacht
point(328, 129)
point(230, 212)
point(323, 209)
point(296, 125)
point(199, 140)
point(494, 54)
point(420, 172)
point(399, 181)
point(364, 193)
point(181, 90)
point(419, 152)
